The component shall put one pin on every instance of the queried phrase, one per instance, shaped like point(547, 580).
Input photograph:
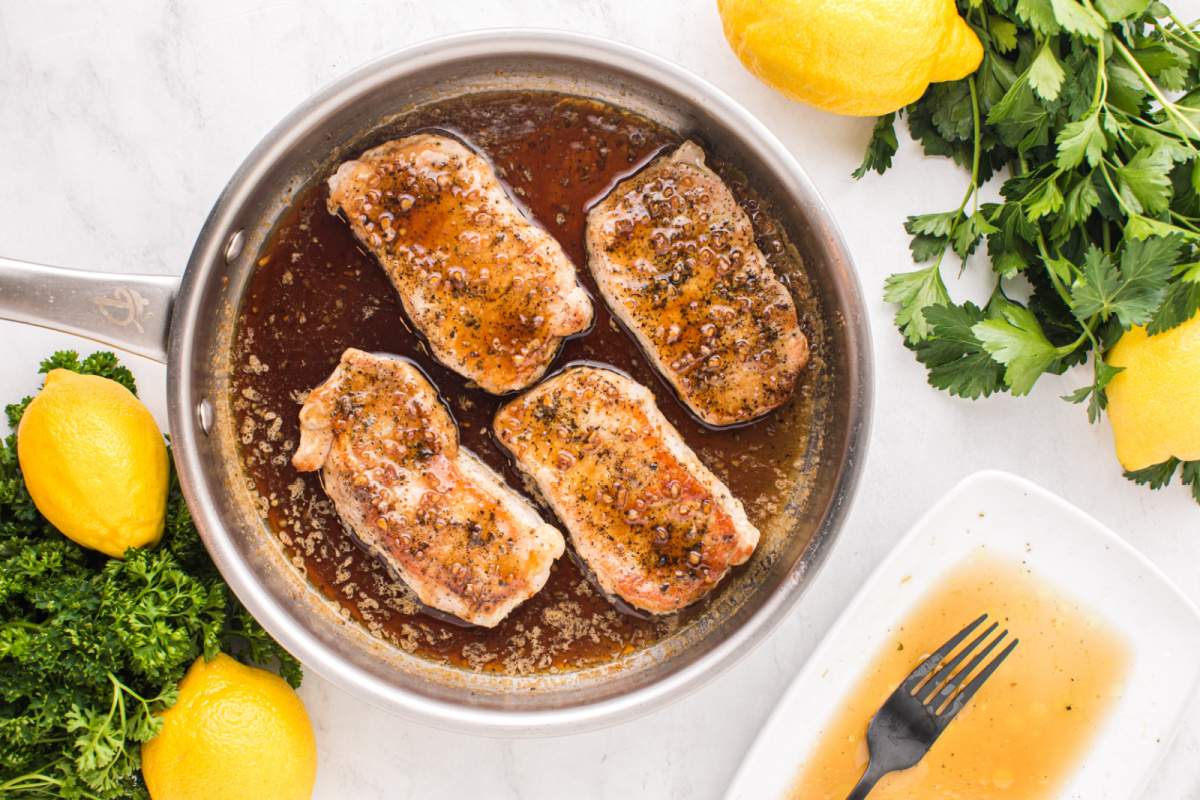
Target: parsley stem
point(20, 623)
point(1185, 221)
point(1067, 349)
point(1129, 212)
point(39, 780)
point(1043, 249)
point(1167, 105)
point(1187, 29)
point(1101, 92)
point(1168, 33)
point(1047, 259)
point(1162, 128)
point(977, 140)
point(973, 189)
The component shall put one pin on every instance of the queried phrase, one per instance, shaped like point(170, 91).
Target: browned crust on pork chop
point(651, 522)
point(492, 292)
point(390, 460)
point(675, 257)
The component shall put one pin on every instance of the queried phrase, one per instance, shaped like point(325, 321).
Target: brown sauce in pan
point(316, 292)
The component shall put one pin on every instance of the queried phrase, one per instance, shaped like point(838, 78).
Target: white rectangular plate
point(1006, 516)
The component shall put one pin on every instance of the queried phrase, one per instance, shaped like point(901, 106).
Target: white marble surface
point(122, 122)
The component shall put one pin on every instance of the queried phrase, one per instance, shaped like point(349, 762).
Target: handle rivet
point(204, 415)
point(233, 247)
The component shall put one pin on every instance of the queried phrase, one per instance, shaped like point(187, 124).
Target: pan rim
point(203, 268)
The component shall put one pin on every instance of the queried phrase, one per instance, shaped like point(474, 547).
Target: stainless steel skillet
point(191, 326)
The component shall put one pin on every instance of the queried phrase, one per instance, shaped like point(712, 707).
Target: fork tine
point(917, 675)
point(967, 693)
point(951, 685)
point(946, 671)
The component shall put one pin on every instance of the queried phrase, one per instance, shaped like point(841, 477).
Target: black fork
point(912, 719)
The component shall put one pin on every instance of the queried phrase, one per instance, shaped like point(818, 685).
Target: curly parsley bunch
point(1089, 112)
point(91, 648)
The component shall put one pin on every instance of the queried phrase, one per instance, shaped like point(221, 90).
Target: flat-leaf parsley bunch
point(1090, 113)
point(91, 647)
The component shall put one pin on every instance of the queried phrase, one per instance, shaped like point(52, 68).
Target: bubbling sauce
point(315, 292)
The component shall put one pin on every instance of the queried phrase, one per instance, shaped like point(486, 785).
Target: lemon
point(1154, 404)
point(856, 57)
point(235, 733)
point(94, 462)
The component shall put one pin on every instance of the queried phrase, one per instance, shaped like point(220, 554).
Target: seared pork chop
point(493, 293)
point(652, 523)
point(675, 258)
point(449, 526)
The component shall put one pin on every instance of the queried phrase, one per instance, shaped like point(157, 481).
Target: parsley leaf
point(1043, 201)
point(1081, 139)
point(1166, 62)
point(102, 363)
point(1015, 339)
point(1039, 15)
point(968, 232)
point(1094, 393)
point(1019, 119)
point(951, 116)
point(1181, 303)
point(1134, 291)
point(1117, 10)
point(1003, 33)
point(1078, 19)
point(1078, 204)
point(1010, 245)
point(1145, 181)
point(1046, 75)
point(881, 148)
point(939, 224)
point(955, 357)
point(1157, 476)
point(1160, 475)
point(1191, 477)
point(914, 292)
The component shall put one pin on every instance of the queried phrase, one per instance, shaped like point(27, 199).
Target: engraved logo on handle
point(124, 308)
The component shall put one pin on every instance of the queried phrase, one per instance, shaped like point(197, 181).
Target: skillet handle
point(130, 312)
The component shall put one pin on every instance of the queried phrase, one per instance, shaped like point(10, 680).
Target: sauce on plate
point(1024, 731)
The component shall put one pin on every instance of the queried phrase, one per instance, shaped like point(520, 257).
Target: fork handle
point(867, 782)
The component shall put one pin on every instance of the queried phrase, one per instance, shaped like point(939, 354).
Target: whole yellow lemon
point(94, 462)
point(235, 733)
point(856, 57)
point(1154, 404)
